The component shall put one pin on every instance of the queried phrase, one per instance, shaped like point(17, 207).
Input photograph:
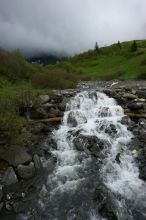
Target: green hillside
point(115, 61)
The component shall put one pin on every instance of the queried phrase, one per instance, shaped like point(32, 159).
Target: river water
point(105, 164)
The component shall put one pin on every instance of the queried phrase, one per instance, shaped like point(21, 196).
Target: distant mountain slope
point(115, 61)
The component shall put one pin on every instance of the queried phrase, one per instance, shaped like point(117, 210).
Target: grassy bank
point(115, 61)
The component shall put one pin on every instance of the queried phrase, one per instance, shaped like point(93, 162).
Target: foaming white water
point(95, 114)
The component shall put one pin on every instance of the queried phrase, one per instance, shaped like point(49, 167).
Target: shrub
point(134, 47)
point(13, 128)
point(54, 79)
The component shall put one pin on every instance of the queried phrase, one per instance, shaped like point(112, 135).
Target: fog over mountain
point(69, 26)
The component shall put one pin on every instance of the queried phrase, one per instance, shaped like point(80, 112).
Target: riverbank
point(29, 168)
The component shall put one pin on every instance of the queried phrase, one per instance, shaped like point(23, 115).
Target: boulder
point(9, 176)
point(44, 98)
point(135, 106)
point(53, 112)
point(64, 102)
point(1, 205)
point(75, 118)
point(1, 192)
point(38, 112)
point(129, 96)
point(89, 144)
point(47, 106)
point(26, 171)
point(141, 94)
point(111, 129)
point(104, 112)
point(142, 174)
point(37, 162)
point(15, 155)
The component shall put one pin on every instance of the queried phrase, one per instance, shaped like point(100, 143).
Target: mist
point(69, 26)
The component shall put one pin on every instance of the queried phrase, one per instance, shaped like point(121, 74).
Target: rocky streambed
point(63, 173)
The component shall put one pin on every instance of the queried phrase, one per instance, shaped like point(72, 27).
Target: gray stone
point(44, 98)
point(8, 206)
point(75, 118)
point(1, 192)
point(37, 162)
point(54, 112)
point(9, 177)
point(135, 106)
point(38, 112)
point(89, 144)
point(15, 156)
point(129, 96)
point(47, 106)
point(1, 205)
point(64, 102)
point(26, 171)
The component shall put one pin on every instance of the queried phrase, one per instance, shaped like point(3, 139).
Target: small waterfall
point(93, 114)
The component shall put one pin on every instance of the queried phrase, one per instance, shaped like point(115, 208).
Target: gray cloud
point(69, 26)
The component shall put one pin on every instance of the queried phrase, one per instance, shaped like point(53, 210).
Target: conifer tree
point(134, 46)
point(97, 48)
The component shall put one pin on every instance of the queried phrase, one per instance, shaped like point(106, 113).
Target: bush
point(13, 128)
point(143, 62)
point(54, 79)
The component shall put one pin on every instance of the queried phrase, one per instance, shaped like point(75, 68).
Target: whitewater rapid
point(92, 113)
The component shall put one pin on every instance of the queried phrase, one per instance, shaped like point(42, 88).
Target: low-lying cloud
point(69, 26)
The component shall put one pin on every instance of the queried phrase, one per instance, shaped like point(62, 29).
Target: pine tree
point(97, 48)
point(134, 46)
point(119, 44)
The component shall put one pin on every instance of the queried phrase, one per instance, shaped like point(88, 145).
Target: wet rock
point(44, 98)
point(89, 144)
point(129, 96)
point(1, 192)
point(118, 158)
point(9, 176)
point(64, 102)
point(141, 94)
point(135, 106)
point(47, 106)
point(1, 206)
point(104, 112)
point(8, 206)
point(106, 206)
point(56, 99)
point(125, 120)
point(37, 162)
point(75, 118)
point(15, 156)
point(51, 163)
point(142, 174)
point(111, 129)
point(26, 171)
point(53, 112)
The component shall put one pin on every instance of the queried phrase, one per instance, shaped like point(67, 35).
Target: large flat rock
point(15, 156)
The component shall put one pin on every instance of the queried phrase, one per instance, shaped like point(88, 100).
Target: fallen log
point(135, 115)
point(47, 120)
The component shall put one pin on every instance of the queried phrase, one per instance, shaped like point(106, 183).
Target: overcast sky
point(69, 26)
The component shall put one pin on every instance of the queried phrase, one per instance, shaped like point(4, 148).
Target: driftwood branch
point(135, 115)
point(47, 120)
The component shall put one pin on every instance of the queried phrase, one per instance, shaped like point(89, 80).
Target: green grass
point(112, 62)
